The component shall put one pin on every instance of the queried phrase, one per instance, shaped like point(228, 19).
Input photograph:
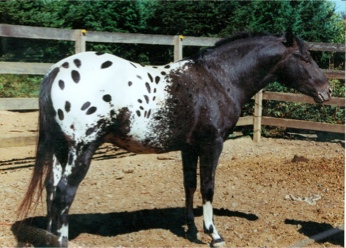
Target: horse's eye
point(297, 54)
point(304, 58)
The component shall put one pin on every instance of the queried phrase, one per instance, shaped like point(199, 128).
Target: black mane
point(241, 36)
point(227, 40)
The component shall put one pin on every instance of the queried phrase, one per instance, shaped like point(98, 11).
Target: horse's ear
point(289, 38)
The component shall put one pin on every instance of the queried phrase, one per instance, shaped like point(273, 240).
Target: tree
point(192, 18)
point(111, 16)
point(311, 20)
point(31, 13)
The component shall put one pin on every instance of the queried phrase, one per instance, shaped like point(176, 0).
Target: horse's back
point(91, 77)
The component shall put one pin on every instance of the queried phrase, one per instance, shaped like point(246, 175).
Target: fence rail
point(81, 37)
point(42, 68)
point(19, 31)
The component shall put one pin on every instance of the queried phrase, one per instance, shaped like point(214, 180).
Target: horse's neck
point(247, 70)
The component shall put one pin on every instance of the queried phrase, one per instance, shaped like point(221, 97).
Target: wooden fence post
point(80, 41)
point(257, 122)
point(178, 47)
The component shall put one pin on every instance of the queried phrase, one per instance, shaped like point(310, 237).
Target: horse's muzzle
point(324, 95)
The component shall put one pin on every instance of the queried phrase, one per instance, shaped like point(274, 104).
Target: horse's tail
point(49, 133)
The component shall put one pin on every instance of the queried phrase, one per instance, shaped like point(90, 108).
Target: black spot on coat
point(61, 84)
point(107, 98)
point(91, 110)
point(85, 106)
point(106, 64)
point(60, 114)
point(75, 76)
point(150, 77)
point(77, 62)
point(67, 106)
point(146, 98)
point(157, 79)
point(65, 65)
point(89, 131)
point(148, 87)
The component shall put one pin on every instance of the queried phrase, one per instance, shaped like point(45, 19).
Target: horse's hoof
point(194, 238)
point(193, 235)
point(218, 242)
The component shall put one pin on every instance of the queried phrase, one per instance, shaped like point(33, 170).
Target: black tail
point(49, 134)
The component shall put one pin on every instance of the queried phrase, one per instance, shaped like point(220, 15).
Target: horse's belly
point(147, 135)
point(122, 127)
point(136, 146)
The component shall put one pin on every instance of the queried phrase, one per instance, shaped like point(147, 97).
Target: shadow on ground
point(319, 232)
point(32, 230)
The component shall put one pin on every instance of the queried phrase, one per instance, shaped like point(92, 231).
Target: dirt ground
point(276, 193)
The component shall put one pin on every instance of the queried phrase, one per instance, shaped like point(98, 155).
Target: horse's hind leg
point(209, 156)
point(78, 161)
point(51, 184)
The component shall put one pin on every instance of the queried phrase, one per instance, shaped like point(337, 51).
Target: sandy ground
point(276, 193)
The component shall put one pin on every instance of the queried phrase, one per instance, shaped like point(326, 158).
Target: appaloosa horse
point(191, 105)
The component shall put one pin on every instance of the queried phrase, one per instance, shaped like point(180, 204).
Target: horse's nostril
point(330, 91)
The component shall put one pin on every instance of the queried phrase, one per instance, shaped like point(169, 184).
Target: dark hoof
point(31, 235)
point(193, 235)
point(218, 242)
point(194, 238)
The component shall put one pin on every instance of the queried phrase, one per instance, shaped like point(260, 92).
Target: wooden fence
point(80, 37)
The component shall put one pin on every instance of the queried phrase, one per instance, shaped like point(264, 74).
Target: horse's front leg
point(190, 157)
point(209, 156)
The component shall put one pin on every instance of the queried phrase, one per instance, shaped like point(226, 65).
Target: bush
point(304, 111)
point(19, 85)
point(295, 110)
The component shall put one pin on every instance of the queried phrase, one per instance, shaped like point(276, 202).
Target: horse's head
point(298, 70)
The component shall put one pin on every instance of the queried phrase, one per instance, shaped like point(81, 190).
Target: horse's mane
point(243, 36)
point(227, 40)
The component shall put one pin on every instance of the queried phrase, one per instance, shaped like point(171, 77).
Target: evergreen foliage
point(311, 20)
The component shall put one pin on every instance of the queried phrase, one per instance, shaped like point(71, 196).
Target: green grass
point(19, 85)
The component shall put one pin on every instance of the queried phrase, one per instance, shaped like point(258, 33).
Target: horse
point(190, 106)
